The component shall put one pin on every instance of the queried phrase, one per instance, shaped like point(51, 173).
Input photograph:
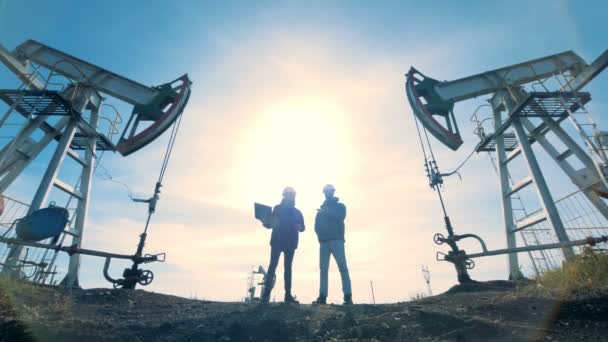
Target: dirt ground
point(497, 312)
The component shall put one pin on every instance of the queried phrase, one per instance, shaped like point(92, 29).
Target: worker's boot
point(289, 299)
point(264, 299)
point(348, 299)
point(322, 300)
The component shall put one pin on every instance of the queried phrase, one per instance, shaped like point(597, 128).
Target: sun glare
point(299, 142)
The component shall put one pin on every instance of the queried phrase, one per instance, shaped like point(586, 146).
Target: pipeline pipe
point(464, 236)
point(75, 250)
point(588, 241)
point(106, 275)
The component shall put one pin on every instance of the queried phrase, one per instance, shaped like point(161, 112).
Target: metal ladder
point(540, 261)
point(78, 99)
point(18, 161)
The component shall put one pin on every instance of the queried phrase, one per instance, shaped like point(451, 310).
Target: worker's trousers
point(335, 248)
point(275, 253)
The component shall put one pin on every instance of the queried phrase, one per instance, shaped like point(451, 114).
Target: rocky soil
point(490, 312)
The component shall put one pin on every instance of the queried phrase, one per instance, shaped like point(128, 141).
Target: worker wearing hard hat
point(329, 226)
point(286, 223)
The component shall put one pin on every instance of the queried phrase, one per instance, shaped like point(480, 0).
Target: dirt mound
point(500, 312)
point(481, 286)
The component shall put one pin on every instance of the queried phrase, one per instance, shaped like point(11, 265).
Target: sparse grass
point(418, 295)
point(589, 270)
point(10, 287)
point(16, 292)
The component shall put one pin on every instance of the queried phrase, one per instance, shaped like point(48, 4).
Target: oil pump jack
point(61, 99)
point(527, 101)
point(252, 284)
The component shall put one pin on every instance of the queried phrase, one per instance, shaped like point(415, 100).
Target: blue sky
point(331, 75)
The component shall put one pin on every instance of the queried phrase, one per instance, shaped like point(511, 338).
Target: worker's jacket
point(287, 223)
point(329, 222)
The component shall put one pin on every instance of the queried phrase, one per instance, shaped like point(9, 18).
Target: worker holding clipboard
point(286, 222)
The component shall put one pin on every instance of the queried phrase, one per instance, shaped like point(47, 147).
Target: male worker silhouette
point(286, 223)
point(329, 226)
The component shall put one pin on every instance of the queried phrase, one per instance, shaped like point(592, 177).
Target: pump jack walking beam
point(440, 97)
point(160, 105)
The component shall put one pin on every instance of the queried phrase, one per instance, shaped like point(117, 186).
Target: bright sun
point(299, 142)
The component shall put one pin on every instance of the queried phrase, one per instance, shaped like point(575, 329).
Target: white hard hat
point(328, 187)
point(289, 190)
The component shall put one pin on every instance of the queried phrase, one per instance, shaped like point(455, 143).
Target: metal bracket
point(437, 256)
point(160, 257)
